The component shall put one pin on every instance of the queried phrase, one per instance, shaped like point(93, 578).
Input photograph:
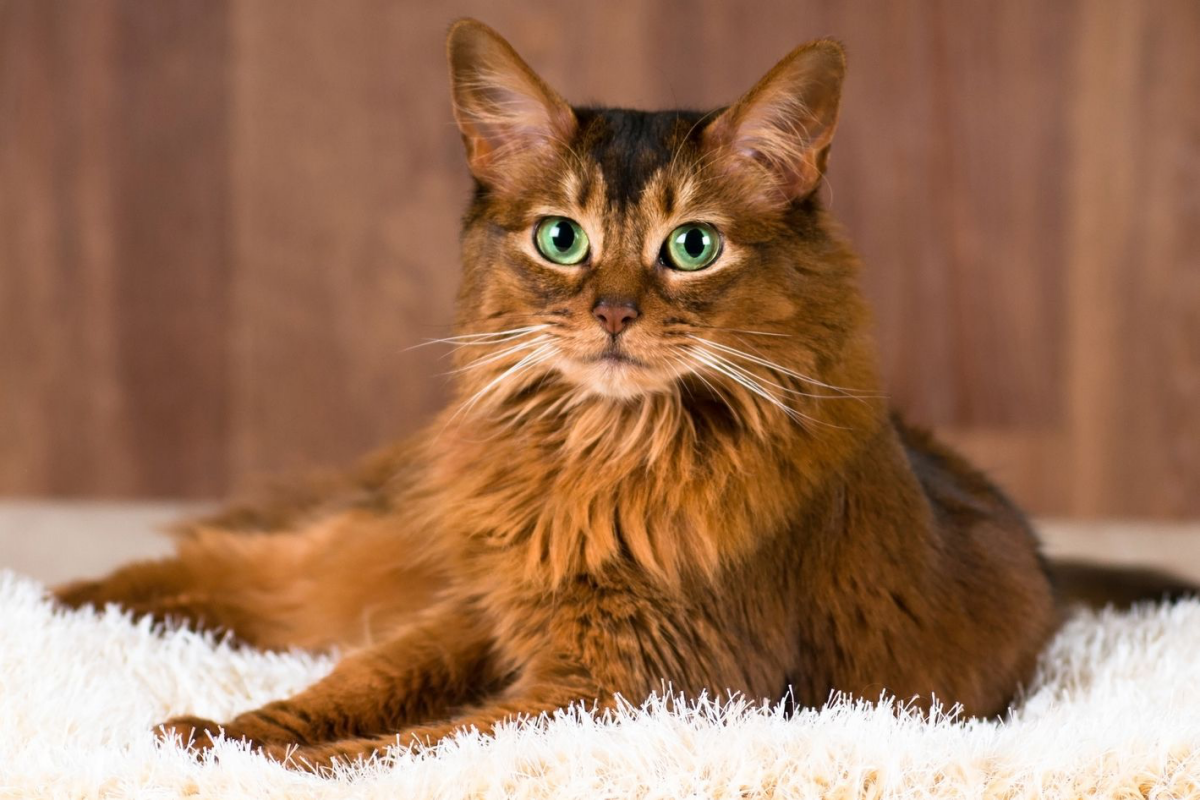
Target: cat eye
point(561, 240)
point(692, 246)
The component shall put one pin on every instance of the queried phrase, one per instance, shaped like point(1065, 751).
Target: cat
point(669, 462)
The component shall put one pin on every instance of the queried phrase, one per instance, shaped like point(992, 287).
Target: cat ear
point(776, 137)
point(506, 113)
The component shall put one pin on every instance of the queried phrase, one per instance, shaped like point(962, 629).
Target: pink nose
point(614, 316)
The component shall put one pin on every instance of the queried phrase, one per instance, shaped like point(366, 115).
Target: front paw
point(199, 734)
point(193, 733)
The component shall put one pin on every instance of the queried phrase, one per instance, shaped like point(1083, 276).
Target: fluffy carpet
point(1114, 712)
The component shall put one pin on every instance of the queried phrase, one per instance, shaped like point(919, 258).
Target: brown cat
point(669, 460)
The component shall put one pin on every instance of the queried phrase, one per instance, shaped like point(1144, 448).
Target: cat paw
point(199, 734)
point(193, 733)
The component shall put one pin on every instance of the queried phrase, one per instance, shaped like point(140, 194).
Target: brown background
point(222, 223)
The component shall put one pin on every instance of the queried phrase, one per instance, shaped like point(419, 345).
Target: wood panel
point(223, 224)
point(347, 190)
point(114, 246)
point(1134, 263)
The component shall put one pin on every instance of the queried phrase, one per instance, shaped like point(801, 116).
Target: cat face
point(628, 253)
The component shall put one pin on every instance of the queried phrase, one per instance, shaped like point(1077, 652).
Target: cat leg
point(139, 583)
point(169, 590)
point(233, 583)
point(156, 587)
point(345, 580)
point(522, 702)
point(439, 664)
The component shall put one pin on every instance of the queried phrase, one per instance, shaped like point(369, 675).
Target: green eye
point(561, 240)
point(692, 246)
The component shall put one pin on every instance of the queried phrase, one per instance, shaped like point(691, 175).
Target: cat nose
point(615, 315)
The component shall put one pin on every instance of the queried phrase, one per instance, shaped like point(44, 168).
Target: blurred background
point(222, 223)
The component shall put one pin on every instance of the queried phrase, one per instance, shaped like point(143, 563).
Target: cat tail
point(1096, 586)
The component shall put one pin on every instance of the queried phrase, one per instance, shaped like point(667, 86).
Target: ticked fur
point(715, 499)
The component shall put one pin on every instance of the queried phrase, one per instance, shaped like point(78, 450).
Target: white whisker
point(752, 382)
point(740, 330)
point(716, 392)
point(543, 353)
point(482, 339)
point(752, 385)
point(733, 351)
point(490, 359)
point(780, 386)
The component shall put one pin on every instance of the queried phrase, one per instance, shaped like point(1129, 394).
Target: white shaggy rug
point(1115, 712)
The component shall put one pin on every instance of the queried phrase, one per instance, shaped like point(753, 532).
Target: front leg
point(438, 665)
point(540, 692)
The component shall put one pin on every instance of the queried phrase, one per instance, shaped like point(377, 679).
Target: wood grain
point(223, 224)
point(114, 248)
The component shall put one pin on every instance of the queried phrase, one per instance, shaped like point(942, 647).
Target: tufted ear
point(776, 137)
point(506, 113)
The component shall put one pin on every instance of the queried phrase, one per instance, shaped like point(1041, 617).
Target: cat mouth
point(613, 373)
point(615, 357)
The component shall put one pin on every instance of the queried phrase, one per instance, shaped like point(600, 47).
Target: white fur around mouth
point(614, 375)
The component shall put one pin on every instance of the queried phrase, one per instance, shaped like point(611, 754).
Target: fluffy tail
point(1099, 586)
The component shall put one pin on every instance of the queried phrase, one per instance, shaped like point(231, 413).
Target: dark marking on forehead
point(585, 190)
point(630, 146)
point(668, 198)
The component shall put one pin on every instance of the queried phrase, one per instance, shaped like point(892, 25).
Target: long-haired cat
point(668, 462)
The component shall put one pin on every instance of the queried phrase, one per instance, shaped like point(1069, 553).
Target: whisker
point(751, 385)
point(755, 333)
point(543, 353)
point(683, 142)
point(483, 361)
point(752, 382)
point(717, 393)
point(740, 330)
point(480, 339)
point(684, 384)
point(787, 389)
point(733, 351)
point(487, 336)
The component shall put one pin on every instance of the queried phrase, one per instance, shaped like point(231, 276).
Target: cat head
point(615, 255)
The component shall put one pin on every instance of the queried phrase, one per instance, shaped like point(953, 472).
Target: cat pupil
point(693, 242)
point(563, 236)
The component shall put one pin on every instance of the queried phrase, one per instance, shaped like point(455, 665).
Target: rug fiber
point(1114, 712)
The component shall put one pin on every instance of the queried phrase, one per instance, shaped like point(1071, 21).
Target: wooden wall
point(222, 223)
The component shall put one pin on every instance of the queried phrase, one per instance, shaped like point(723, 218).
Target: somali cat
point(669, 460)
